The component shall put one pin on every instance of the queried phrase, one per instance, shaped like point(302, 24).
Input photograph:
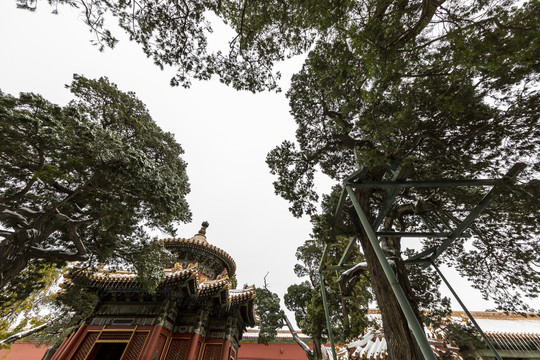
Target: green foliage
point(149, 263)
point(23, 300)
point(446, 89)
point(234, 281)
point(464, 335)
point(82, 182)
point(76, 299)
point(177, 34)
point(268, 308)
point(347, 313)
point(67, 309)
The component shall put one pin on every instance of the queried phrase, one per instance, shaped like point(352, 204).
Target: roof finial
point(204, 227)
point(201, 235)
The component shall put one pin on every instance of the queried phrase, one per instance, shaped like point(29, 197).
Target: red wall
point(285, 351)
point(247, 351)
point(24, 351)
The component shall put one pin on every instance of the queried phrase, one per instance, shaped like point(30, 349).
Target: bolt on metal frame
point(426, 258)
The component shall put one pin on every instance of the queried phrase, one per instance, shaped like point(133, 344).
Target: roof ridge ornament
point(204, 226)
point(201, 235)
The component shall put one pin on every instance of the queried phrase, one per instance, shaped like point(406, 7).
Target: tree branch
point(350, 277)
point(57, 254)
point(30, 183)
point(6, 233)
point(303, 345)
point(13, 218)
point(25, 333)
point(75, 192)
point(429, 8)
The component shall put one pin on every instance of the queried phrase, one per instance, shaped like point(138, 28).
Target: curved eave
point(172, 243)
point(244, 300)
point(214, 287)
point(128, 281)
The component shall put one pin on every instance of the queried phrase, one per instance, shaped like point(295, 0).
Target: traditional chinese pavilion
point(194, 313)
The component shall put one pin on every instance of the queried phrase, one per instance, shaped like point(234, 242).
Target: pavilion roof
point(198, 242)
point(120, 280)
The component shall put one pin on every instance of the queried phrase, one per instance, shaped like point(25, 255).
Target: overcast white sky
point(226, 135)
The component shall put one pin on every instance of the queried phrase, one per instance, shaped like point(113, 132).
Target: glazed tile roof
point(120, 279)
point(505, 331)
point(515, 341)
point(212, 287)
point(199, 242)
point(239, 296)
point(221, 286)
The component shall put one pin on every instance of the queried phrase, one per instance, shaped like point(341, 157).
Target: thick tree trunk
point(400, 341)
point(317, 352)
point(28, 240)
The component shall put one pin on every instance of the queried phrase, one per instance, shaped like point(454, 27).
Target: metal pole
point(327, 316)
point(413, 322)
point(466, 311)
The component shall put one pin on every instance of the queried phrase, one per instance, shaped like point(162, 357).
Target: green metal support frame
point(467, 311)
point(357, 181)
point(327, 316)
point(414, 324)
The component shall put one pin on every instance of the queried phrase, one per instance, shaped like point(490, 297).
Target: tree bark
point(400, 341)
point(309, 353)
point(31, 229)
point(317, 344)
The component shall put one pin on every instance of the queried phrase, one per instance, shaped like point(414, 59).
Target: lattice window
point(159, 346)
point(232, 354)
point(85, 346)
point(115, 335)
point(178, 349)
point(135, 346)
point(212, 352)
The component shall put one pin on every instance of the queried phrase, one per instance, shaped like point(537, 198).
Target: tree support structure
point(446, 232)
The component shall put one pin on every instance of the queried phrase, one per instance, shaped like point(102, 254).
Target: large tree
point(446, 88)
point(83, 182)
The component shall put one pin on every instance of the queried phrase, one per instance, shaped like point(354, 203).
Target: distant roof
point(282, 335)
point(494, 321)
point(506, 331)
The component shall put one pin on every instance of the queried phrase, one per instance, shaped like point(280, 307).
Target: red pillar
point(70, 343)
point(193, 345)
point(151, 343)
point(226, 349)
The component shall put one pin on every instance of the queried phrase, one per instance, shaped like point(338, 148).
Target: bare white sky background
point(226, 135)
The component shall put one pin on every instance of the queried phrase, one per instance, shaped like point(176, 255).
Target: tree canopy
point(176, 34)
point(445, 88)
point(83, 182)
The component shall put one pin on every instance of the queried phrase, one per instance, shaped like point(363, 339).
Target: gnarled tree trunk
point(317, 345)
point(400, 340)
